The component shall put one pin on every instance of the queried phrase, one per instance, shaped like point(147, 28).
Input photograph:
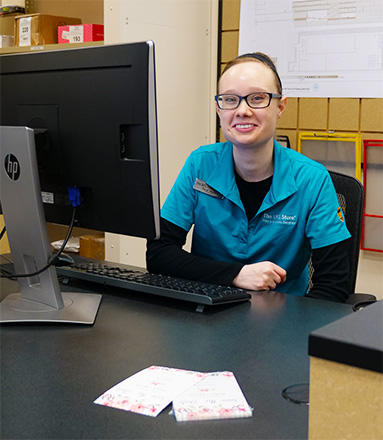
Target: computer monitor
point(79, 119)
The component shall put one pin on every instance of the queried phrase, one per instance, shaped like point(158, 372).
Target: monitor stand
point(39, 298)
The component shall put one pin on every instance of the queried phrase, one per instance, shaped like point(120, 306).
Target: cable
point(2, 270)
point(6, 274)
point(4, 256)
point(60, 251)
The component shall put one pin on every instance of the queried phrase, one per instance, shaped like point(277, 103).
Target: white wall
point(185, 33)
point(370, 274)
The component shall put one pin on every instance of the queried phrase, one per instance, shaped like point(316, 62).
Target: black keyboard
point(126, 277)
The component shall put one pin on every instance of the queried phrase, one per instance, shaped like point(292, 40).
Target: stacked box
point(92, 246)
point(6, 41)
point(7, 24)
point(7, 29)
point(39, 29)
point(80, 33)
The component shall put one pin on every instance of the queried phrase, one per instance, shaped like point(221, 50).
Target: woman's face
point(245, 126)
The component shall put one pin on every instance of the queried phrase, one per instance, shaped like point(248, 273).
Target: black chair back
point(283, 140)
point(350, 194)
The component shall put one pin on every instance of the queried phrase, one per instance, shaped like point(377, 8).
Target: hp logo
point(12, 166)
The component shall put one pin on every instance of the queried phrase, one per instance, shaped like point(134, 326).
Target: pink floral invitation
point(216, 396)
point(150, 390)
point(195, 395)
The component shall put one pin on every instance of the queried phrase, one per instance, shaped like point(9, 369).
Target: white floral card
point(216, 396)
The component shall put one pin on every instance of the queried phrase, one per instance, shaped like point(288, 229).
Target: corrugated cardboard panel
point(93, 246)
point(229, 49)
point(230, 14)
point(371, 135)
point(289, 117)
point(7, 24)
point(371, 118)
point(344, 114)
point(312, 113)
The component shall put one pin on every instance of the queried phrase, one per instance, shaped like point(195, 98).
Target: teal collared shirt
point(299, 213)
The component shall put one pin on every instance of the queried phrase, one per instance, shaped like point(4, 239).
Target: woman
point(259, 210)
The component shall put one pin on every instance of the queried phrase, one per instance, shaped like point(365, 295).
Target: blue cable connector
point(74, 196)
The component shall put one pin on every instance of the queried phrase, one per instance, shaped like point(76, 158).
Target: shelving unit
point(12, 50)
point(90, 11)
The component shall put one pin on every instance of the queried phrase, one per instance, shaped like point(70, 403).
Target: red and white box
point(80, 33)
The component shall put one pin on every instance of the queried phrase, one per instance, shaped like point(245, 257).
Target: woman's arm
point(331, 272)
point(166, 256)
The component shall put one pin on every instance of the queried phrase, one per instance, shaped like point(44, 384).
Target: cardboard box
point(92, 246)
point(80, 33)
point(39, 29)
point(7, 41)
point(7, 24)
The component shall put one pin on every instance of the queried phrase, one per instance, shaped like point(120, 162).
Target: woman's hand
point(260, 276)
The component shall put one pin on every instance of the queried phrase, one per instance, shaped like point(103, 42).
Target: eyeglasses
point(253, 100)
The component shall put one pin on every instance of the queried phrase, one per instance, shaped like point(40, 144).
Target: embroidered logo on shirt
point(203, 187)
point(340, 214)
point(282, 219)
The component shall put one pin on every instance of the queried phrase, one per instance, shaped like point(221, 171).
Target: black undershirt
point(166, 256)
point(252, 194)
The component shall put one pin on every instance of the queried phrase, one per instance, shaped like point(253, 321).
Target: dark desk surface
point(51, 374)
point(355, 340)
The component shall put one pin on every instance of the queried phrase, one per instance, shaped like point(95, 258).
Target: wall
point(353, 115)
point(185, 36)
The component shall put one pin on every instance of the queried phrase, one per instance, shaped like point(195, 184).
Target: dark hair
point(258, 57)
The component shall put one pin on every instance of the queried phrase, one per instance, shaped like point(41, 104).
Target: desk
point(346, 377)
point(50, 374)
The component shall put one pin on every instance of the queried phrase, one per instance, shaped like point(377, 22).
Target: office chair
point(350, 194)
point(283, 140)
